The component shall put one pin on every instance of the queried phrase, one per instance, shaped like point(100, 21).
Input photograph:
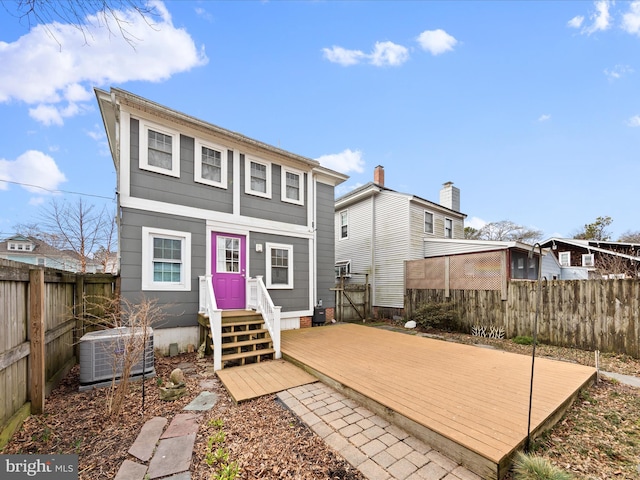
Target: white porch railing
point(209, 308)
point(258, 298)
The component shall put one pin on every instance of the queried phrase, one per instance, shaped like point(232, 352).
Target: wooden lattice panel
point(478, 271)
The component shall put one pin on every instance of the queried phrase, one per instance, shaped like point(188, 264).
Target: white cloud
point(601, 17)
point(343, 189)
point(343, 56)
point(631, 19)
point(202, 13)
point(32, 168)
point(54, 66)
point(436, 41)
point(544, 117)
point(344, 162)
point(388, 53)
point(618, 71)
point(384, 54)
point(475, 222)
point(576, 22)
point(634, 121)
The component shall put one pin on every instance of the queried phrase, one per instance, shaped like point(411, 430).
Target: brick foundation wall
point(305, 322)
point(330, 314)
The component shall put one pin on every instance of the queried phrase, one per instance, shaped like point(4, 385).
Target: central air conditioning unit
point(102, 355)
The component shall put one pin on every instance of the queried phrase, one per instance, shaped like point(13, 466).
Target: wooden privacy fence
point(353, 299)
point(41, 321)
point(588, 314)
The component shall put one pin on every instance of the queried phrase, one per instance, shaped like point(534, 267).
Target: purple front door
point(228, 268)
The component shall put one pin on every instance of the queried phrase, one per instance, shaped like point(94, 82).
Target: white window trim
point(567, 255)
point(197, 174)
point(347, 265)
point(144, 149)
point(247, 177)
point(588, 260)
point(433, 219)
point(148, 234)
point(283, 193)
point(445, 227)
point(340, 237)
point(279, 286)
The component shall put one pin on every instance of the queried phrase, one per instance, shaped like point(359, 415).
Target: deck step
point(244, 355)
point(246, 343)
point(239, 322)
point(240, 333)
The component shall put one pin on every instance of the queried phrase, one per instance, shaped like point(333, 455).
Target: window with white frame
point(448, 228)
point(159, 149)
point(565, 259)
point(166, 260)
point(279, 266)
point(210, 164)
point(12, 246)
point(588, 260)
point(257, 177)
point(344, 224)
point(292, 186)
point(343, 269)
point(428, 222)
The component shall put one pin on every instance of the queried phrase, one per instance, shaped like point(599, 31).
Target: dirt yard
point(599, 437)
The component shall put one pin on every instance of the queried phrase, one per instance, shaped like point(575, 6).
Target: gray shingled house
point(207, 212)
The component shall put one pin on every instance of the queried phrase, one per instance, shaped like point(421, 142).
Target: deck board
point(258, 379)
point(476, 397)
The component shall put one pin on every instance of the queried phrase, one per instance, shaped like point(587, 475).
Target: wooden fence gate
point(353, 299)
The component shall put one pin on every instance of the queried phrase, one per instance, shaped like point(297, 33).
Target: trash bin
point(319, 316)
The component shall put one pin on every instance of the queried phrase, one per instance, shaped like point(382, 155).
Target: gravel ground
point(598, 438)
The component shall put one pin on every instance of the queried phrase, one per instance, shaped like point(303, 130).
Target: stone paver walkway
point(378, 449)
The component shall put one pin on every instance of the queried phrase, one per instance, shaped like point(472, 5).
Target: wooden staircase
point(244, 338)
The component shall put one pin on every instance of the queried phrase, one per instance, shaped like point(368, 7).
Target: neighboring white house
point(378, 229)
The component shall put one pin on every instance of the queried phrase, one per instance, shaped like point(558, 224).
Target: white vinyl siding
point(357, 246)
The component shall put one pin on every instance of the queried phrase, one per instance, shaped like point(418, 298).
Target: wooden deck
point(471, 403)
point(258, 379)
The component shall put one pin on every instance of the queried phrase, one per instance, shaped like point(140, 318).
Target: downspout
point(116, 153)
point(373, 297)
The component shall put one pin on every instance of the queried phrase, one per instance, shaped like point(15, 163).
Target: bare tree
point(506, 230)
point(630, 237)
point(78, 227)
point(79, 13)
point(615, 266)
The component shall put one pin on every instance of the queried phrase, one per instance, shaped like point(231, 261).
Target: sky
point(531, 109)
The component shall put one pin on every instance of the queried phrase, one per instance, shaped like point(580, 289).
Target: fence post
point(78, 312)
point(36, 339)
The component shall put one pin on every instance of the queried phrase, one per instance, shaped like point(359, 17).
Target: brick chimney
point(378, 175)
point(450, 196)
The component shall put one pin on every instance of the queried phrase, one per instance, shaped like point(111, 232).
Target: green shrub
point(523, 340)
point(532, 467)
point(436, 315)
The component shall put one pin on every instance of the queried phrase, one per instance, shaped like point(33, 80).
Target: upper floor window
point(565, 259)
point(257, 178)
point(166, 260)
point(210, 164)
point(292, 186)
point(160, 150)
point(344, 224)
point(279, 266)
point(588, 260)
point(428, 222)
point(448, 228)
